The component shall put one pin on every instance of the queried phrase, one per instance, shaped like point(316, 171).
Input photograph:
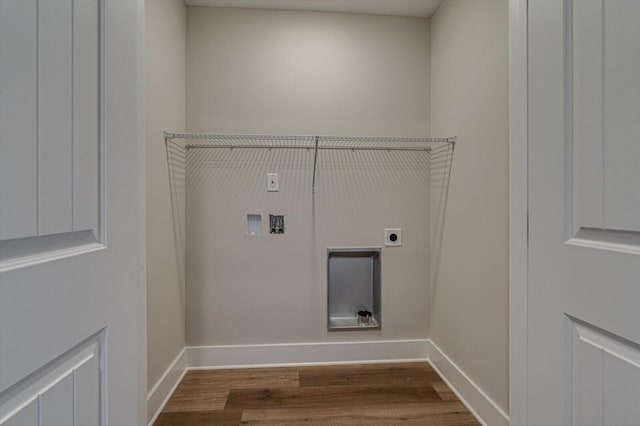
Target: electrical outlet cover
point(393, 237)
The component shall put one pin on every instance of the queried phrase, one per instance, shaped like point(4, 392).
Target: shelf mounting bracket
point(315, 161)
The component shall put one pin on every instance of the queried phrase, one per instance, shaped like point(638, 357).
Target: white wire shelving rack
point(430, 146)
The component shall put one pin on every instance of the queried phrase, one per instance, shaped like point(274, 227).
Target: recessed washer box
point(353, 276)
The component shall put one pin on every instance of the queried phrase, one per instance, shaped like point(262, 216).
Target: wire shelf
point(375, 143)
point(430, 146)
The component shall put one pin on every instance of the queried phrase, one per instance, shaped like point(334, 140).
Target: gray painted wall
point(256, 71)
point(294, 72)
point(306, 72)
point(469, 97)
point(165, 110)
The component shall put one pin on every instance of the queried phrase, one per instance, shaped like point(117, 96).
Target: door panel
point(55, 112)
point(66, 388)
point(50, 127)
point(621, 390)
point(584, 211)
point(56, 403)
point(588, 114)
point(18, 120)
point(605, 378)
point(72, 332)
point(27, 416)
point(603, 60)
point(87, 191)
point(621, 69)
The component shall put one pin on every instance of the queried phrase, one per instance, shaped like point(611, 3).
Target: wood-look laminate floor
point(374, 394)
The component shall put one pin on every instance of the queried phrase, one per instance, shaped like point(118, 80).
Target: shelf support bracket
point(315, 161)
point(168, 135)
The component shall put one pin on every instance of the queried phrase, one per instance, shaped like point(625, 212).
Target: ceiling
point(419, 8)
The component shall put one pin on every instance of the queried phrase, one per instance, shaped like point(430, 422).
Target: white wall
point(256, 71)
point(469, 97)
point(306, 73)
point(165, 110)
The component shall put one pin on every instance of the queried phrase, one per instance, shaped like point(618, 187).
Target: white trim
point(518, 210)
point(315, 353)
point(610, 240)
point(472, 396)
point(50, 256)
point(604, 245)
point(164, 388)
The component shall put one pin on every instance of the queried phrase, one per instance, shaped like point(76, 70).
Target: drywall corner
point(469, 98)
point(165, 49)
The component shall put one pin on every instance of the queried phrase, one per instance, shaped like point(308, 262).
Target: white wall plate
point(393, 237)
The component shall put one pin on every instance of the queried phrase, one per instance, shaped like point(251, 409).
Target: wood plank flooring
point(363, 394)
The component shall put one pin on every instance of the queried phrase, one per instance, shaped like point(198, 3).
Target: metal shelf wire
point(316, 143)
point(203, 140)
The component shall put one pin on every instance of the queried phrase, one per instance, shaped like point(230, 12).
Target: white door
point(583, 356)
point(71, 300)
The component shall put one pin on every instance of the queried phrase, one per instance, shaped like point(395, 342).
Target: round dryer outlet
point(393, 237)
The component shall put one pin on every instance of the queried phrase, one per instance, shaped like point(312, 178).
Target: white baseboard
point(161, 392)
point(322, 353)
point(471, 395)
point(289, 354)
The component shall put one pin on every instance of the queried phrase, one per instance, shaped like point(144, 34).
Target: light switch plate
point(272, 182)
